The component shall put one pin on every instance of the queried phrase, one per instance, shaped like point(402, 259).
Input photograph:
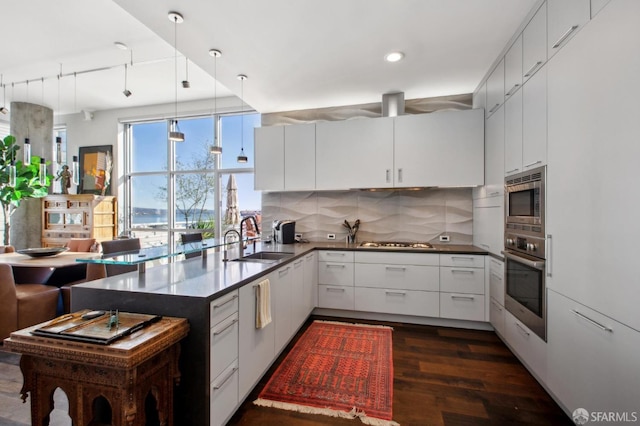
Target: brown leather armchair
point(24, 305)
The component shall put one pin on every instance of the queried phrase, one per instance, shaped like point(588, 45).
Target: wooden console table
point(105, 384)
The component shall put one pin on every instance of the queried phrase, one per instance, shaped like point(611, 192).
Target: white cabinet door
point(300, 157)
point(462, 306)
point(282, 293)
point(354, 154)
point(394, 276)
point(597, 5)
point(495, 89)
point(496, 280)
point(564, 19)
point(255, 346)
point(530, 348)
point(534, 43)
point(224, 395)
point(496, 316)
point(443, 148)
point(480, 97)
point(394, 301)
point(488, 224)
point(494, 154)
point(269, 161)
point(310, 282)
point(299, 310)
point(593, 360)
point(513, 134)
point(534, 121)
point(593, 168)
point(335, 297)
point(513, 68)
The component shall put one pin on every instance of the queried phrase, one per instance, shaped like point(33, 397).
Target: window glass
point(149, 147)
point(233, 128)
point(193, 153)
point(149, 201)
point(195, 202)
point(238, 194)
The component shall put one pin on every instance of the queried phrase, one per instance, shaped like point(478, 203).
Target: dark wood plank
point(442, 376)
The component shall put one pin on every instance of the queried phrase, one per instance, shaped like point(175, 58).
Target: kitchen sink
point(265, 257)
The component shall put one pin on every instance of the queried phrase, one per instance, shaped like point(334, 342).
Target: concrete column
point(36, 123)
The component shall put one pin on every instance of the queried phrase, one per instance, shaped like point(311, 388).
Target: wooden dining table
point(57, 270)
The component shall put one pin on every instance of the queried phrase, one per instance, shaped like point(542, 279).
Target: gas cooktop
point(394, 244)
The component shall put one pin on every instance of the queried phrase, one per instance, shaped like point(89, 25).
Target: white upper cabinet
point(564, 19)
point(534, 43)
point(534, 121)
point(495, 89)
point(480, 97)
point(440, 149)
point(354, 154)
point(597, 5)
point(269, 161)
point(300, 157)
point(513, 134)
point(513, 68)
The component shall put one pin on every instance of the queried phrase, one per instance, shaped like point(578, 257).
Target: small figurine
point(113, 320)
point(64, 176)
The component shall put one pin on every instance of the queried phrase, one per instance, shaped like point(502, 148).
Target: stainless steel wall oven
point(525, 290)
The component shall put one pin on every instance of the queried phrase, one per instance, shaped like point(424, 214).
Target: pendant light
point(12, 173)
point(26, 159)
point(126, 91)
point(215, 148)
point(185, 82)
point(242, 158)
point(174, 131)
point(43, 172)
point(75, 171)
point(3, 109)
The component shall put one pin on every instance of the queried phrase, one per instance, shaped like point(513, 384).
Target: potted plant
point(27, 183)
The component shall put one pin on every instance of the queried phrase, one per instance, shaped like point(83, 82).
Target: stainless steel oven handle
point(549, 255)
point(535, 264)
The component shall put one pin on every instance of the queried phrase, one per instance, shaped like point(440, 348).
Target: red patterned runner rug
point(336, 369)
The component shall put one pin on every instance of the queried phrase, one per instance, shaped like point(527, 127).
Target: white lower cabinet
point(335, 280)
point(394, 301)
point(530, 348)
point(283, 305)
point(462, 306)
point(335, 297)
point(462, 287)
point(224, 395)
point(496, 315)
point(593, 360)
point(223, 357)
point(496, 294)
point(310, 282)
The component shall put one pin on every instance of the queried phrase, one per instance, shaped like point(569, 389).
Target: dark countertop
point(213, 278)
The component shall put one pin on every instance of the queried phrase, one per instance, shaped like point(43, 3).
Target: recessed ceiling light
point(121, 45)
point(394, 56)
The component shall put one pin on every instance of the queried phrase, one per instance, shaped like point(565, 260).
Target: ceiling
point(297, 54)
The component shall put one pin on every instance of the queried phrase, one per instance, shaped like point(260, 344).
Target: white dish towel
point(263, 303)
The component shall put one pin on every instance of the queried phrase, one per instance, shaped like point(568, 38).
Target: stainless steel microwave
point(524, 203)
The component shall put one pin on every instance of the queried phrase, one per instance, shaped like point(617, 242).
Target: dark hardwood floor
point(442, 376)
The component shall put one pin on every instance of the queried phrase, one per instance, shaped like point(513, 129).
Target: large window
point(176, 187)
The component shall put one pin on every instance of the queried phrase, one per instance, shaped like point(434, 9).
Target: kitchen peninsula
point(224, 355)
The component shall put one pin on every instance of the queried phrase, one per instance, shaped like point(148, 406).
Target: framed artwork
point(96, 163)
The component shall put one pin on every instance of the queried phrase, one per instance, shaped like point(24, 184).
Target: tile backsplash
point(399, 215)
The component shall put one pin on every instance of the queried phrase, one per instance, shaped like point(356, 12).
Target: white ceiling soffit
point(297, 54)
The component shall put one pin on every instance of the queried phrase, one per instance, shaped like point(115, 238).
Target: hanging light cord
point(175, 64)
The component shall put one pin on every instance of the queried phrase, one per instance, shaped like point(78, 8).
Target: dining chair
point(7, 249)
point(24, 305)
point(120, 245)
point(191, 238)
point(81, 244)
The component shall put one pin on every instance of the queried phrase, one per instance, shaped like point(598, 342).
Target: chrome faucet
point(255, 226)
point(225, 258)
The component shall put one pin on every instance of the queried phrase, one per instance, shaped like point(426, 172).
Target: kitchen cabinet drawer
point(496, 281)
point(406, 277)
point(335, 297)
point(462, 306)
point(224, 395)
point(222, 307)
point(335, 273)
point(224, 344)
point(466, 260)
point(398, 258)
point(496, 316)
point(462, 280)
point(530, 348)
point(335, 256)
point(393, 301)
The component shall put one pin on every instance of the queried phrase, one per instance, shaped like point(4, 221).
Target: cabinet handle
point(522, 329)
point(512, 90)
point(498, 277)
point(400, 175)
point(334, 254)
point(217, 332)
point(511, 171)
point(532, 164)
point(462, 257)
point(485, 245)
point(462, 271)
point(533, 68)
point(396, 293)
point(596, 323)
point(388, 175)
point(233, 370)
point(564, 36)
point(340, 290)
point(335, 265)
point(494, 193)
point(235, 296)
point(399, 268)
point(298, 263)
point(497, 305)
point(549, 255)
point(456, 296)
point(309, 257)
point(494, 108)
point(284, 271)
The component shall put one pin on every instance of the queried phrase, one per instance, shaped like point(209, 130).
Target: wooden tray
point(96, 330)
